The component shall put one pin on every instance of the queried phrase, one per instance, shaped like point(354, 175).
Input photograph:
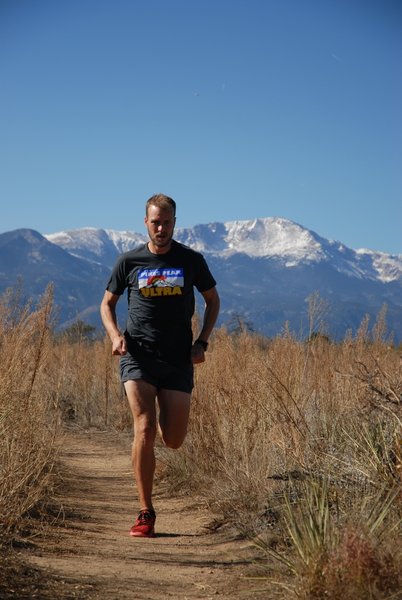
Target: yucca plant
point(339, 557)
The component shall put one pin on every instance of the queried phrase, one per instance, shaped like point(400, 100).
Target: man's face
point(160, 224)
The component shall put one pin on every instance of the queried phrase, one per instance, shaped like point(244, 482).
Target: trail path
point(91, 555)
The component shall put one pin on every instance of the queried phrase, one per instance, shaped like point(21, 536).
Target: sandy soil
point(89, 554)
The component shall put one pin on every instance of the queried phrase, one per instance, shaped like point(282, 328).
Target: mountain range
point(269, 272)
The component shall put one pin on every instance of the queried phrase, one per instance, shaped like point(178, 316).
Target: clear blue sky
point(236, 108)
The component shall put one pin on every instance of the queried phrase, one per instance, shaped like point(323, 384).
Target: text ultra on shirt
point(161, 296)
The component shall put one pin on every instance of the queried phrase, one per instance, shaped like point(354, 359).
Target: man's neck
point(159, 249)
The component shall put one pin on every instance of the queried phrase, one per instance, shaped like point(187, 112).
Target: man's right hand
point(119, 346)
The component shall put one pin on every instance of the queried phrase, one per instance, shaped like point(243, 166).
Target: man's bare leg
point(174, 412)
point(141, 398)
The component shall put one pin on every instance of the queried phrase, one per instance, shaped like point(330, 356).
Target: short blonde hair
point(161, 201)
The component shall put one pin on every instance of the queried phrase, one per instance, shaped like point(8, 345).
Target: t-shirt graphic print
point(161, 282)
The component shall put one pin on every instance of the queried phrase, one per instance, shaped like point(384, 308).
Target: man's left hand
point(197, 354)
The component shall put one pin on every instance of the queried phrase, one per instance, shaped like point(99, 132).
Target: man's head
point(161, 201)
point(160, 220)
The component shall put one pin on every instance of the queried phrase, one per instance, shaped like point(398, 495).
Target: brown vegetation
point(296, 444)
point(28, 421)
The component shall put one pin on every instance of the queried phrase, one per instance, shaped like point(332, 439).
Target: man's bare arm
point(109, 320)
point(211, 312)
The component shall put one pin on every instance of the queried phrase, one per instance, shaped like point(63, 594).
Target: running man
point(157, 352)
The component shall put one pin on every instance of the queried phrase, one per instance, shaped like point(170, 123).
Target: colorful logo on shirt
point(161, 282)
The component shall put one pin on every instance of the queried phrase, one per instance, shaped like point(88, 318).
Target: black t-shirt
point(160, 291)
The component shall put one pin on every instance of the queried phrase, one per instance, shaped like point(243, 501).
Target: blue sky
point(237, 108)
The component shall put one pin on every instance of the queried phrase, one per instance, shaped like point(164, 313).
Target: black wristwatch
point(202, 343)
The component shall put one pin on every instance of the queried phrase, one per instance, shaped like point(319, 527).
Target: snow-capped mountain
point(266, 269)
point(98, 245)
point(271, 237)
point(78, 284)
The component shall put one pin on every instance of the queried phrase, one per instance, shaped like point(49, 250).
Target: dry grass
point(90, 393)
point(28, 425)
point(296, 444)
point(299, 445)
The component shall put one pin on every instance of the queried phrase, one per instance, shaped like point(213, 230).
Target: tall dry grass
point(28, 423)
point(295, 444)
point(89, 390)
point(298, 444)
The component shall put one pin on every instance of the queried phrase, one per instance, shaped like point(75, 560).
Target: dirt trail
point(91, 554)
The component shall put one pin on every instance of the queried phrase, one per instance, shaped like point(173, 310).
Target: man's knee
point(144, 430)
point(174, 442)
point(173, 445)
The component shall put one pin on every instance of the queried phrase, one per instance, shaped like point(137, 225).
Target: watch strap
point(202, 343)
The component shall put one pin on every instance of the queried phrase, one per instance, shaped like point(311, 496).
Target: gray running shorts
point(158, 372)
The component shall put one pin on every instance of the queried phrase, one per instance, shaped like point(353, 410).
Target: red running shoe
point(145, 524)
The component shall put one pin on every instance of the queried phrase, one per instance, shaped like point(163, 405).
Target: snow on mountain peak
point(90, 238)
point(126, 240)
point(387, 266)
point(269, 237)
point(262, 237)
point(273, 236)
point(96, 245)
